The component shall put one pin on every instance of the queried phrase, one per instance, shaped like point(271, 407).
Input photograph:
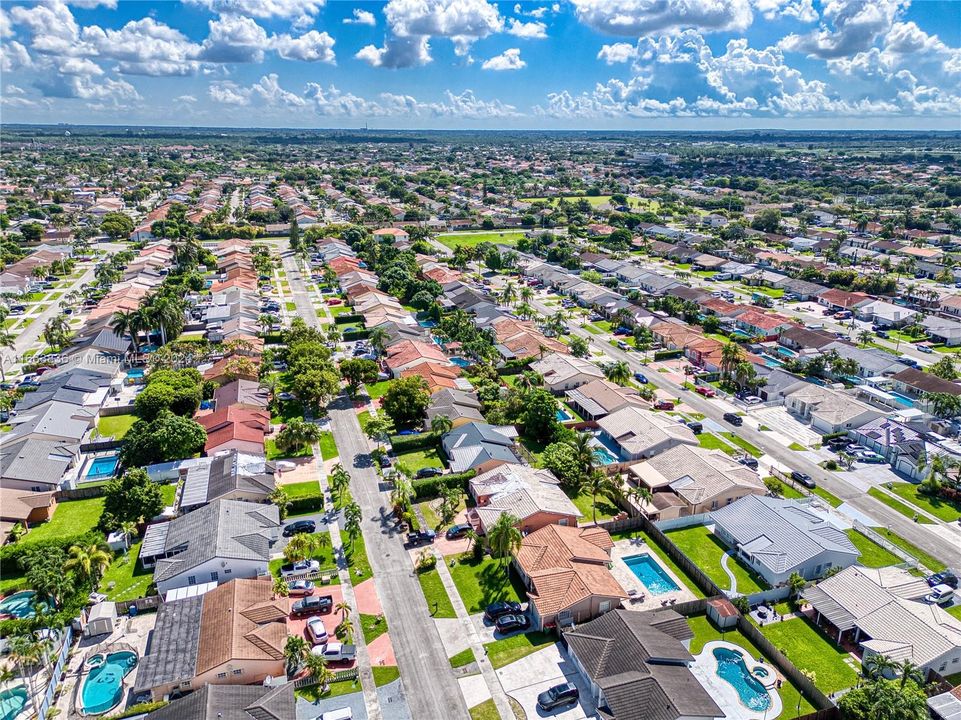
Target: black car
point(310, 605)
point(563, 694)
point(803, 478)
point(748, 461)
point(696, 427)
point(733, 418)
point(501, 607)
point(945, 577)
point(384, 461)
point(428, 472)
point(301, 526)
point(457, 531)
point(420, 537)
point(511, 622)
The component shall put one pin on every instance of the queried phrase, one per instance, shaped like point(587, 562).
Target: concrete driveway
point(319, 518)
point(525, 679)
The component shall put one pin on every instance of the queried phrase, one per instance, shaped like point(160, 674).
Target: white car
point(300, 567)
point(940, 595)
point(334, 651)
point(317, 631)
point(752, 400)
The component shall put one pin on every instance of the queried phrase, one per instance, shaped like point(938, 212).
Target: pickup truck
point(299, 568)
point(420, 537)
point(334, 651)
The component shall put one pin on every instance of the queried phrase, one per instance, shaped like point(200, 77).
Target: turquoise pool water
point(12, 702)
point(605, 454)
point(731, 667)
point(460, 362)
point(562, 415)
point(646, 569)
point(135, 373)
point(103, 467)
point(19, 605)
point(103, 686)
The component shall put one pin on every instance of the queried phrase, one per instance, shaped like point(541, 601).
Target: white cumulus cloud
point(848, 27)
point(527, 30)
point(312, 46)
point(361, 17)
point(397, 52)
point(510, 59)
point(639, 17)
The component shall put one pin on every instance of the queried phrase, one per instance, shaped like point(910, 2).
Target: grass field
point(130, 580)
point(594, 200)
point(324, 555)
point(487, 710)
point(436, 594)
point(941, 508)
point(511, 649)
point(926, 559)
point(470, 239)
point(704, 632)
point(328, 448)
point(464, 657)
point(355, 553)
point(482, 582)
point(713, 442)
point(605, 508)
point(706, 551)
point(743, 444)
point(72, 517)
point(373, 626)
point(829, 498)
point(363, 418)
point(116, 426)
point(376, 390)
point(872, 554)
point(385, 674)
point(417, 459)
point(809, 649)
point(897, 505)
point(308, 488)
point(274, 453)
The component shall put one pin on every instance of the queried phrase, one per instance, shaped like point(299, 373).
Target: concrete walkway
point(365, 672)
point(725, 559)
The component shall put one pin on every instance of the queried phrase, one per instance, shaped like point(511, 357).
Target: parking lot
point(525, 679)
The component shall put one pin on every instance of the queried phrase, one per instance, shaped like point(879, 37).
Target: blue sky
point(618, 64)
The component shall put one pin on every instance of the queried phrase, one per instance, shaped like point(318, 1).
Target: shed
point(722, 613)
point(100, 619)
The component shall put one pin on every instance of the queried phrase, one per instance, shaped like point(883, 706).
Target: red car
point(334, 301)
point(664, 405)
point(705, 391)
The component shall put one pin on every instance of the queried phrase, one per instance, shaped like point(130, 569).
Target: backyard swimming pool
point(460, 362)
point(605, 454)
point(103, 686)
point(102, 467)
point(647, 570)
point(732, 669)
point(562, 415)
point(19, 605)
point(12, 702)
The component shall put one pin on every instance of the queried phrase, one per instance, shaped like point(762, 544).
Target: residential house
point(24, 507)
point(778, 538)
point(233, 635)
point(839, 300)
point(871, 361)
point(828, 410)
point(636, 433)
point(533, 496)
point(479, 445)
point(887, 437)
point(600, 398)
point(228, 475)
point(224, 540)
point(637, 666)
point(942, 330)
point(916, 384)
point(565, 571)
point(232, 702)
point(704, 480)
point(951, 305)
point(458, 406)
point(407, 353)
point(760, 324)
point(36, 465)
point(242, 392)
point(885, 314)
point(564, 372)
point(235, 427)
point(880, 609)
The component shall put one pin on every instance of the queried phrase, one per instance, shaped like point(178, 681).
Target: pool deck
point(704, 669)
point(623, 574)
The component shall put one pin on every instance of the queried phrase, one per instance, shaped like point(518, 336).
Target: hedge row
point(140, 709)
point(432, 487)
point(356, 335)
point(667, 354)
point(10, 554)
point(407, 443)
point(515, 366)
point(345, 318)
point(308, 504)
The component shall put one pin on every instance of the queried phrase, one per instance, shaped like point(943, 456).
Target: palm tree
point(317, 669)
point(26, 652)
point(296, 651)
point(618, 372)
point(378, 339)
point(168, 314)
point(300, 547)
point(334, 334)
point(877, 666)
point(597, 483)
point(472, 537)
point(88, 562)
point(346, 629)
point(509, 294)
point(584, 452)
point(639, 494)
point(56, 332)
point(352, 518)
point(129, 529)
point(6, 341)
point(140, 321)
point(503, 536)
point(339, 480)
point(910, 671)
point(441, 424)
point(296, 433)
point(266, 321)
point(343, 607)
point(732, 355)
point(280, 587)
point(402, 494)
point(279, 497)
point(864, 337)
point(527, 294)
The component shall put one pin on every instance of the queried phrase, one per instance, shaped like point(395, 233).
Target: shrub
point(11, 554)
point(831, 465)
point(141, 709)
point(433, 487)
point(667, 354)
point(346, 318)
point(308, 504)
point(356, 335)
point(407, 443)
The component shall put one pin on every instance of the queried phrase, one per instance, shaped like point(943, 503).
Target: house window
point(562, 521)
point(221, 675)
point(238, 671)
point(605, 606)
point(214, 576)
point(185, 684)
point(228, 571)
point(191, 580)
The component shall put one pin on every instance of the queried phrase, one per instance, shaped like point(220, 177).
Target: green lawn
point(941, 508)
point(471, 239)
point(72, 517)
point(705, 632)
point(336, 310)
point(335, 689)
point(378, 389)
point(130, 580)
point(713, 442)
point(831, 499)
point(385, 674)
point(436, 594)
point(328, 448)
point(481, 583)
point(926, 559)
point(355, 553)
point(743, 444)
point(790, 493)
point(605, 508)
point(286, 409)
point(417, 459)
point(373, 626)
point(306, 489)
point(809, 649)
point(511, 649)
point(770, 292)
point(487, 710)
point(465, 657)
point(797, 447)
point(274, 453)
point(12, 583)
point(872, 554)
point(897, 505)
point(955, 611)
point(594, 200)
point(706, 550)
point(363, 418)
point(115, 426)
point(324, 555)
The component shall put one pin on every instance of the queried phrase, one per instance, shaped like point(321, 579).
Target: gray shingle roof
point(40, 461)
point(175, 658)
point(232, 702)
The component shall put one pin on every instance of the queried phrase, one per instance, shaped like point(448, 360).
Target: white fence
point(683, 522)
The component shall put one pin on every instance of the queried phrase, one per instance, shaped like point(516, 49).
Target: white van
point(341, 714)
point(940, 595)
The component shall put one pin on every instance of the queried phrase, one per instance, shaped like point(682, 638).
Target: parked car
point(301, 526)
point(428, 472)
point(882, 334)
point(420, 537)
point(748, 461)
point(510, 622)
point(945, 577)
point(558, 696)
point(457, 531)
point(641, 378)
point(300, 567)
point(344, 713)
point(334, 651)
point(803, 478)
point(300, 588)
point(940, 595)
point(334, 301)
point(695, 427)
point(926, 349)
point(664, 405)
point(751, 400)
point(706, 391)
point(501, 607)
point(316, 630)
point(733, 418)
point(384, 461)
point(312, 604)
